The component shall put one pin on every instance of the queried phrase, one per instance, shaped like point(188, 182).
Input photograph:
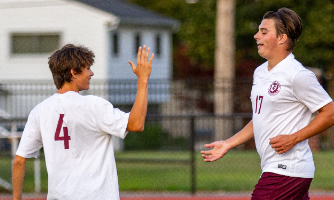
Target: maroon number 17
point(66, 137)
point(259, 100)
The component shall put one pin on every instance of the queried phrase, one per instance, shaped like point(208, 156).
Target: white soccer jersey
point(283, 100)
point(75, 132)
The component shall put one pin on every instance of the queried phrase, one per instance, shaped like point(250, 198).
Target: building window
point(115, 43)
point(158, 45)
point(34, 43)
point(137, 42)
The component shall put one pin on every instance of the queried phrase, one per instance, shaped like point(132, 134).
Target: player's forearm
point(242, 136)
point(139, 109)
point(322, 121)
point(18, 176)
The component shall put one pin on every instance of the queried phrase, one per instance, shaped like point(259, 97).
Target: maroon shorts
point(274, 186)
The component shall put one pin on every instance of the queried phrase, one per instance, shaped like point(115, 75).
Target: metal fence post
point(14, 139)
point(192, 150)
point(37, 170)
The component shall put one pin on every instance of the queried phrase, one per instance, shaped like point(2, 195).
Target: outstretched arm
point(142, 71)
point(220, 148)
point(322, 121)
point(19, 166)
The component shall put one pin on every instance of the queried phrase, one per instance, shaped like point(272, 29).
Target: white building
point(31, 29)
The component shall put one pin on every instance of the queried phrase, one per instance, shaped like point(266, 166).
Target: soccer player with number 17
point(284, 96)
point(76, 131)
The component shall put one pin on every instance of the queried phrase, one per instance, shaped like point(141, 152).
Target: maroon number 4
point(66, 137)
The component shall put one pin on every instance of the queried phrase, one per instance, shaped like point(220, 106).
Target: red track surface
point(179, 197)
point(223, 197)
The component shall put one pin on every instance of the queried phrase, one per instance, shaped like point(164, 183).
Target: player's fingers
point(281, 152)
point(143, 54)
point(132, 65)
point(280, 149)
point(205, 156)
point(147, 53)
point(276, 145)
point(151, 59)
point(139, 55)
point(209, 145)
point(273, 140)
point(206, 152)
point(209, 159)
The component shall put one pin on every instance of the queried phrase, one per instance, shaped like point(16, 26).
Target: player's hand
point(282, 143)
point(220, 148)
point(144, 66)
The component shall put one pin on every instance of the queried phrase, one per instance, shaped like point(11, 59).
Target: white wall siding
point(162, 65)
point(76, 23)
point(73, 22)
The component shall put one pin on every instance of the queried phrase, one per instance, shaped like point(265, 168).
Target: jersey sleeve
point(111, 120)
point(309, 91)
point(31, 140)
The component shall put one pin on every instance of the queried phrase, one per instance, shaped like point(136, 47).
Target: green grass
point(29, 182)
point(237, 171)
point(324, 171)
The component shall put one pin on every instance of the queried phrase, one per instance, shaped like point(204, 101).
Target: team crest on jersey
point(274, 88)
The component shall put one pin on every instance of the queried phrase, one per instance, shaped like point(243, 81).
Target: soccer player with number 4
point(284, 96)
point(76, 131)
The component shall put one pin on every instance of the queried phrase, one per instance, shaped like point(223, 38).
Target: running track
point(133, 196)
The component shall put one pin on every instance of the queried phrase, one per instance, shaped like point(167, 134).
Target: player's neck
point(277, 59)
point(67, 87)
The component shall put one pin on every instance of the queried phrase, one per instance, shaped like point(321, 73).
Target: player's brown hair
point(69, 57)
point(286, 22)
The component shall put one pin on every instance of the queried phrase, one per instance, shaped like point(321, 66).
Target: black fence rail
point(185, 142)
point(18, 97)
point(194, 137)
point(182, 116)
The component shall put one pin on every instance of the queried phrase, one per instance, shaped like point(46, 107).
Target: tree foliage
point(315, 46)
point(194, 43)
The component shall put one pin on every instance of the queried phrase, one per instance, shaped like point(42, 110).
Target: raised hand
point(144, 66)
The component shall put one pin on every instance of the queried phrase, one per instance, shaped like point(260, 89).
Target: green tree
point(195, 41)
point(315, 47)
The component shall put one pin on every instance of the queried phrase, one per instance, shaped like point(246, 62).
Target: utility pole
point(224, 68)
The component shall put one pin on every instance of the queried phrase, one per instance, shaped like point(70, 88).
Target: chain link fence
point(182, 117)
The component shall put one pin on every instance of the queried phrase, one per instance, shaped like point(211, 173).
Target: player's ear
point(283, 38)
point(74, 74)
